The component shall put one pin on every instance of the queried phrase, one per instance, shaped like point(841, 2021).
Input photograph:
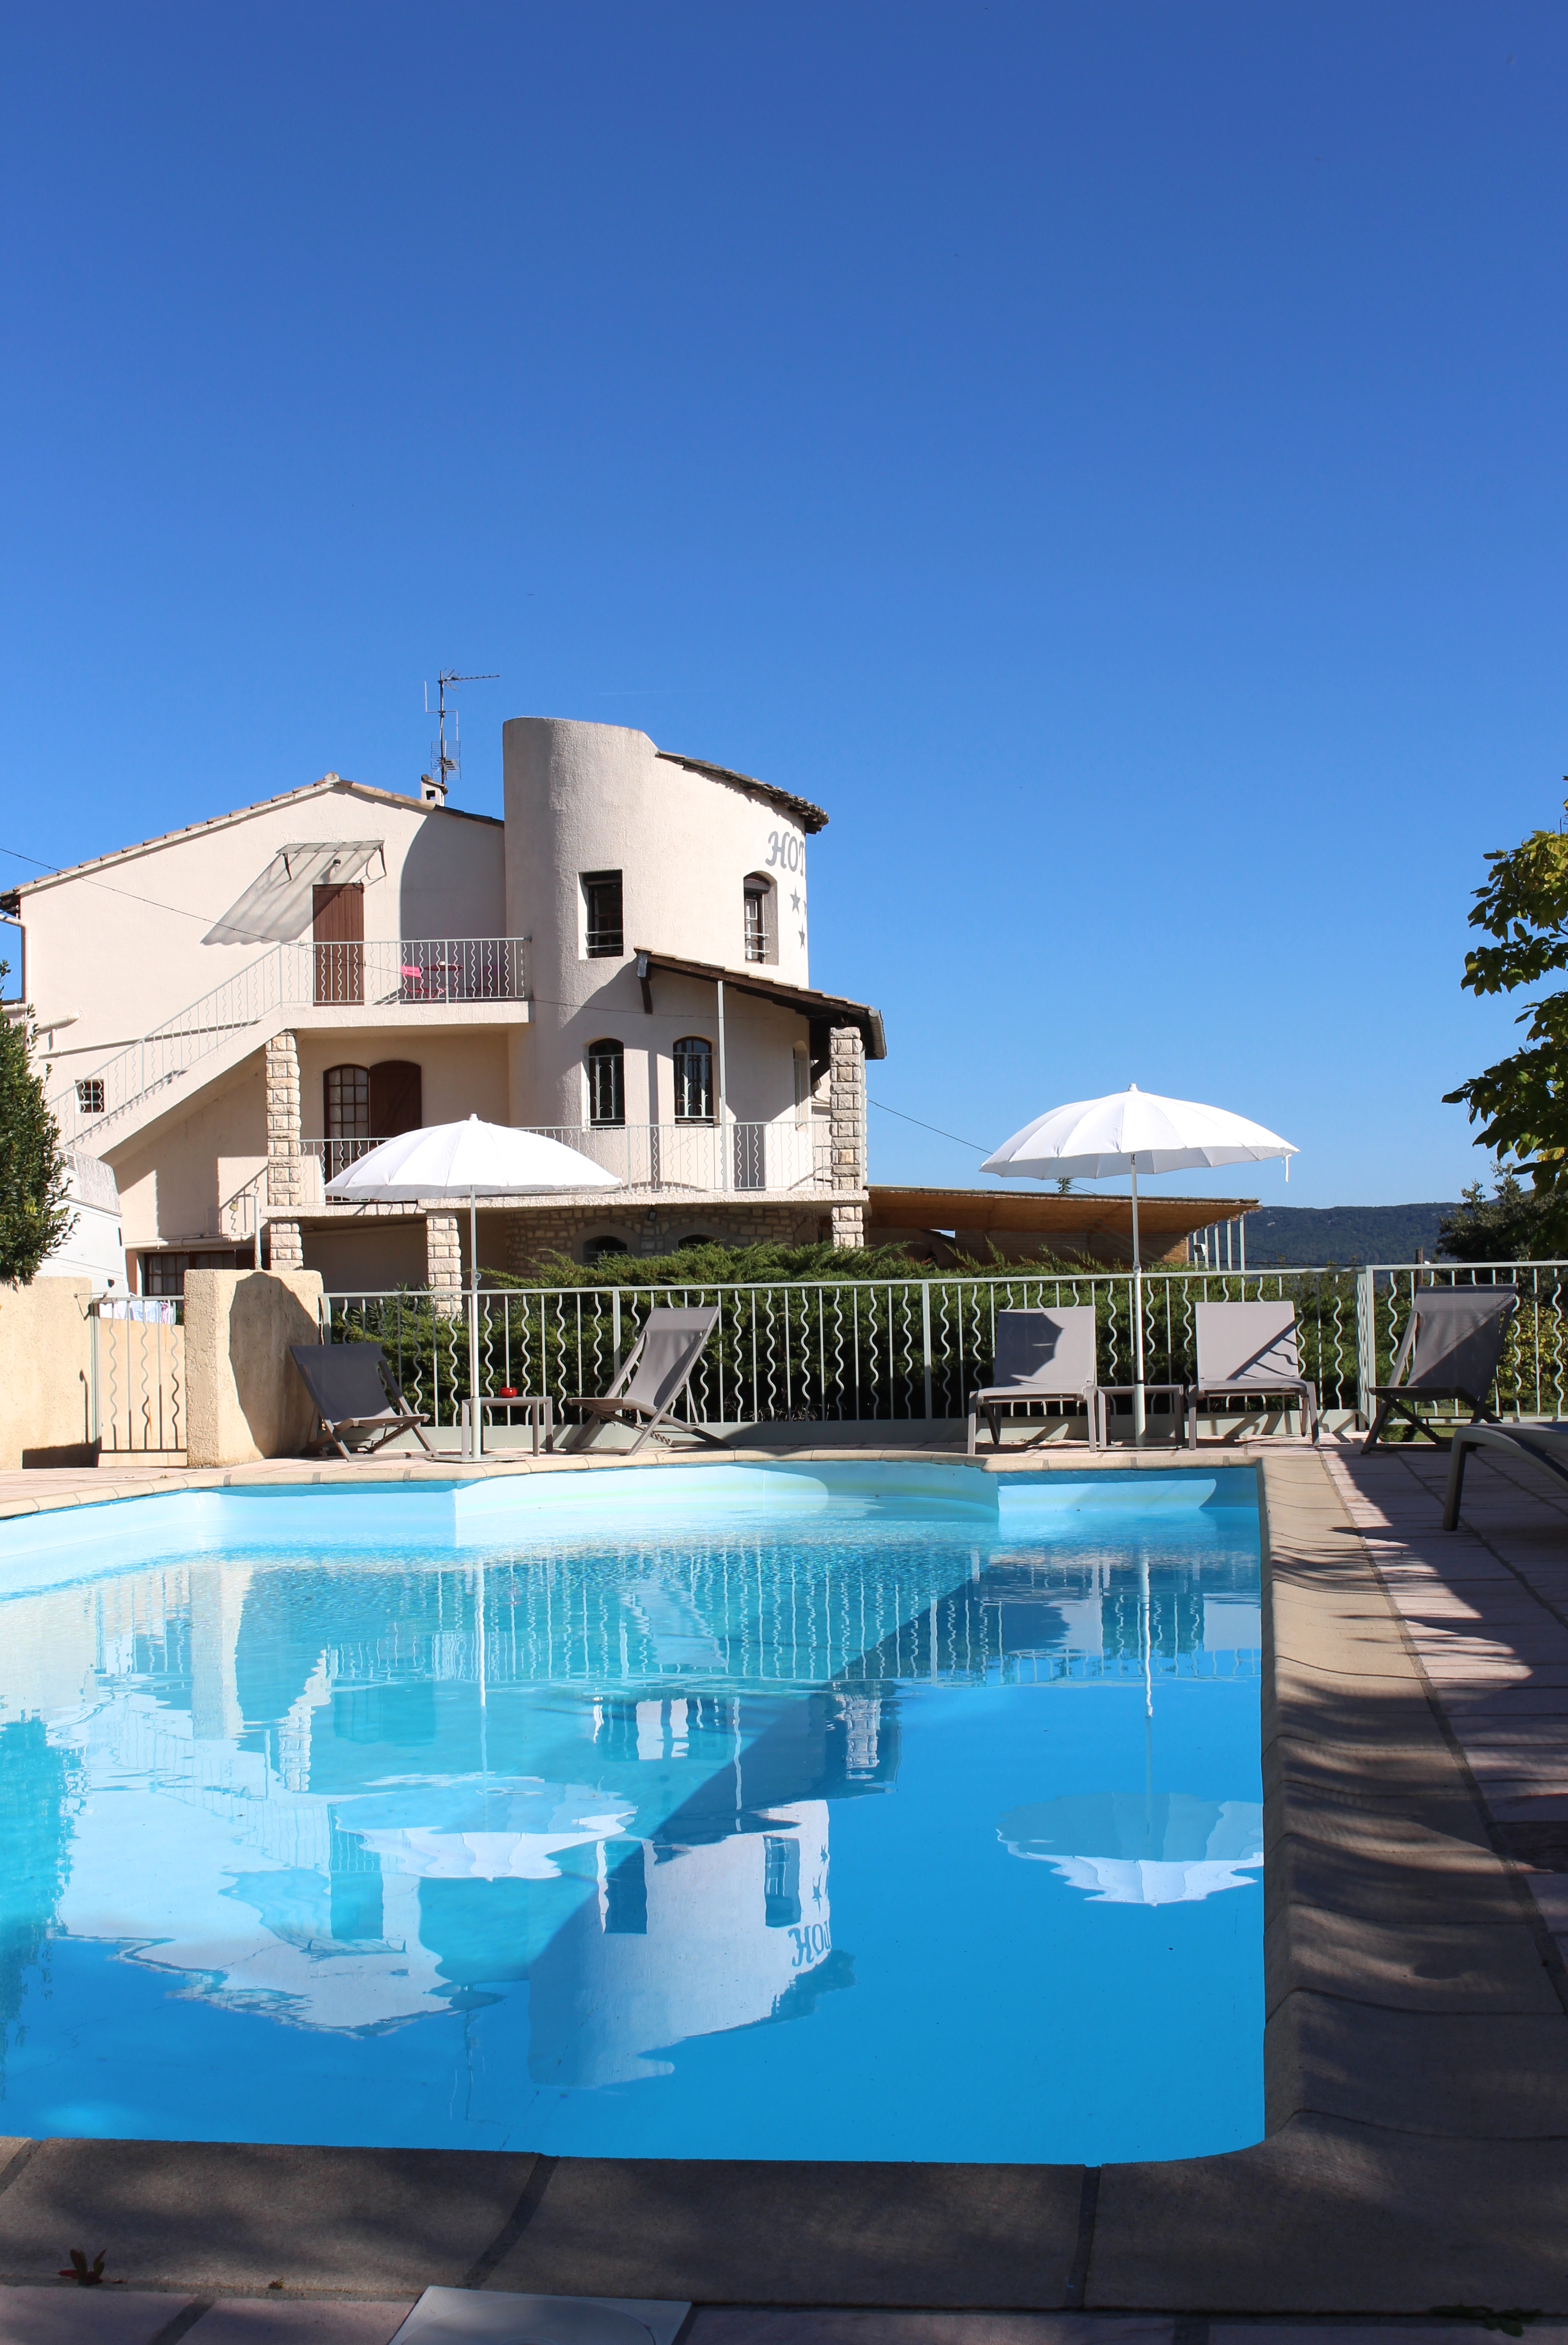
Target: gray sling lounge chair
point(357, 1397)
point(1246, 1351)
point(1040, 1356)
point(658, 1371)
point(1451, 1346)
point(1547, 1444)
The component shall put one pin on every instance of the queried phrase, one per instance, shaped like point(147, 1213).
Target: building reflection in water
point(349, 1798)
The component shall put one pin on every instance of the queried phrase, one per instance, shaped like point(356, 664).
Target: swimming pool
point(821, 1812)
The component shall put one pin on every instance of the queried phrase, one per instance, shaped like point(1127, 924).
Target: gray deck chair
point(1040, 1356)
point(357, 1397)
point(1247, 1351)
point(657, 1372)
point(1547, 1444)
point(1451, 1346)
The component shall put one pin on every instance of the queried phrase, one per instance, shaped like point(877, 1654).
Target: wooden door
point(397, 1098)
point(337, 929)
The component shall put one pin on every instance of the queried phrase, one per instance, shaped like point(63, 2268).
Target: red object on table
point(508, 1392)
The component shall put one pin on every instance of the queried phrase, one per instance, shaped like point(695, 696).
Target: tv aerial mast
point(432, 785)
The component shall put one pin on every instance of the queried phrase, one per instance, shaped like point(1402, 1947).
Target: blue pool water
point(823, 1813)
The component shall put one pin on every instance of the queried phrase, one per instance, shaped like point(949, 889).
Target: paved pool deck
point(1415, 1732)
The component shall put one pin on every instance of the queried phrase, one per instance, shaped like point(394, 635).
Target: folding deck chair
point(1040, 1356)
point(655, 1376)
point(1246, 1351)
point(1451, 1346)
point(357, 1398)
point(1547, 1444)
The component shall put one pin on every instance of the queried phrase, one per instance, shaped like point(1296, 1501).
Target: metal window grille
point(348, 1102)
point(693, 1080)
point(164, 1273)
point(602, 902)
point(607, 1083)
point(91, 1095)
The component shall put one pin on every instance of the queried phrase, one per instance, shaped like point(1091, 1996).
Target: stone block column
point(285, 1169)
point(444, 1263)
point(847, 1126)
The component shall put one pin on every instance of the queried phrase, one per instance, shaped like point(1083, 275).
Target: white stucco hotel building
point(228, 1014)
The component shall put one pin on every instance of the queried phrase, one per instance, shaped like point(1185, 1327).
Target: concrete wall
point(45, 1373)
point(95, 953)
point(460, 1075)
point(244, 1397)
point(598, 797)
point(174, 1182)
point(368, 1257)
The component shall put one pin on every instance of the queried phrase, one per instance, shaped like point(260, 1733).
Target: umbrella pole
point(1137, 1323)
point(475, 1414)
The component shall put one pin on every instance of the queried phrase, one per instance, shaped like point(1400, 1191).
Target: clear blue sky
point(1112, 457)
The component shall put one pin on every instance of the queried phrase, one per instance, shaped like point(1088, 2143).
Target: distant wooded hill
point(1296, 1235)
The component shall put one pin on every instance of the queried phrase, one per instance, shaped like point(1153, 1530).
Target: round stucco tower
point(614, 849)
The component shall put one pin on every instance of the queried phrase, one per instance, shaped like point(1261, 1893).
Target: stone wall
point(530, 1236)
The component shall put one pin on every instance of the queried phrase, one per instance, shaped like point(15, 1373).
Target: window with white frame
point(693, 1080)
point(606, 1082)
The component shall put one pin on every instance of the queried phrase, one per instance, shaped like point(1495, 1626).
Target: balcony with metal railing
point(389, 975)
point(651, 1160)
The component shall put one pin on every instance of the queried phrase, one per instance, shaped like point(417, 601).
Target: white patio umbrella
point(1134, 1132)
point(469, 1160)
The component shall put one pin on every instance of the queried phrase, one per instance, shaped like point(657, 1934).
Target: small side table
point(541, 1411)
point(1103, 1393)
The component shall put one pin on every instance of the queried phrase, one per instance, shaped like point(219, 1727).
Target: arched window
point(595, 1249)
point(606, 1082)
point(761, 917)
point(693, 1080)
point(695, 1238)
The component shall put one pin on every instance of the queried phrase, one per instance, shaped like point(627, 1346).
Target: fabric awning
point(277, 907)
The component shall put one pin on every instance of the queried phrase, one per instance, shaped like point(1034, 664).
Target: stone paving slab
point(280, 2321)
point(82, 2316)
point(735, 2325)
point(1326, 2217)
point(212, 2217)
point(1368, 2332)
point(1437, 1966)
point(752, 2230)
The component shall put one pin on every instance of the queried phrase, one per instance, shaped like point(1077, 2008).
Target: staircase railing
point(379, 972)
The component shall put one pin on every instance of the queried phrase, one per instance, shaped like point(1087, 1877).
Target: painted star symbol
point(802, 936)
point(794, 899)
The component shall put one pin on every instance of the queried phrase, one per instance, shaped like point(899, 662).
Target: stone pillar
point(847, 1124)
point(285, 1172)
point(444, 1263)
point(285, 1245)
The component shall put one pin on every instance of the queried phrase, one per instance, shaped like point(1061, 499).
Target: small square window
point(91, 1095)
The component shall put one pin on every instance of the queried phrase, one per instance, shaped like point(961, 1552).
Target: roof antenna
point(432, 785)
